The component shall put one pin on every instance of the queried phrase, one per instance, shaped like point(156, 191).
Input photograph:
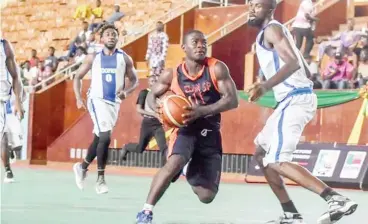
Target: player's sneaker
point(12, 157)
point(338, 206)
point(9, 177)
point(144, 217)
point(289, 218)
point(80, 175)
point(101, 187)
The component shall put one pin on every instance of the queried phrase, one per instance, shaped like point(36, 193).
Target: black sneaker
point(9, 178)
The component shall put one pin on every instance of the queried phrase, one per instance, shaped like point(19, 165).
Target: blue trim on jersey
point(95, 115)
point(280, 134)
point(109, 79)
point(8, 107)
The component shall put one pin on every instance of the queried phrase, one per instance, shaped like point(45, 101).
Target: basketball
point(172, 110)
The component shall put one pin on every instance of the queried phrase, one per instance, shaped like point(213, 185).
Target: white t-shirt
point(306, 7)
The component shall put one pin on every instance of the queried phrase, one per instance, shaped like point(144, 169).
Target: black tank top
point(202, 89)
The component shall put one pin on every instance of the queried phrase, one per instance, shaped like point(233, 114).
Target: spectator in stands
point(338, 73)
point(363, 44)
point(85, 32)
point(363, 68)
point(34, 59)
point(314, 74)
point(93, 45)
point(116, 16)
point(51, 60)
point(348, 39)
point(73, 46)
point(80, 55)
point(302, 26)
point(158, 42)
point(97, 14)
point(83, 12)
point(26, 73)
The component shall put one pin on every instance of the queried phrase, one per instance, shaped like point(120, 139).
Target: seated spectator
point(363, 44)
point(348, 39)
point(97, 14)
point(51, 60)
point(314, 74)
point(338, 73)
point(80, 55)
point(85, 32)
point(26, 73)
point(33, 61)
point(73, 46)
point(116, 16)
point(363, 68)
point(93, 45)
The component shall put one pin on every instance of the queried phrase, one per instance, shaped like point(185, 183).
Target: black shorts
point(203, 148)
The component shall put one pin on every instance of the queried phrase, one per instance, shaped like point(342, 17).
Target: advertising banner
point(338, 165)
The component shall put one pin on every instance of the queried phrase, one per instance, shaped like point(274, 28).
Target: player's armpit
point(226, 88)
point(160, 87)
point(275, 36)
point(85, 67)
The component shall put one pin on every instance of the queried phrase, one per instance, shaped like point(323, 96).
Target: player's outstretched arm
point(160, 88)
point(132, 76)
point(227, 89)
point(17, 85)
point(82, 71)
point(276, 37)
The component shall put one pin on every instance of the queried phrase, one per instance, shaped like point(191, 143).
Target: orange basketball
point(172, 110)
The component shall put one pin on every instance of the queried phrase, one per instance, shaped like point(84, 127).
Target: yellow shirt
point(97, 12)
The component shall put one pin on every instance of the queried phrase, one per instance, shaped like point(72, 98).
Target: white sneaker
point(9, 177)
point(80, 175)
point(338, 206)
point(101, 187)
point(289, 218)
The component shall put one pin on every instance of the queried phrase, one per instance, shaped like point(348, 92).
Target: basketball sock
point(7, 168)
point(289, 207)
point(328, 193)
point(100, 172)
point(91, 153)
point(148, 207)
point(102, 151)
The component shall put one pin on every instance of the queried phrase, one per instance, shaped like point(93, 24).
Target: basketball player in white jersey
point(109, 68)
point(9, 79)
point(12, 139)
point(286, 73)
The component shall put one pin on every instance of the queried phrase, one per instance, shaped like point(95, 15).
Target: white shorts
point(13, 131)
point(104, 115)
point(283, 129)
point(2, 119)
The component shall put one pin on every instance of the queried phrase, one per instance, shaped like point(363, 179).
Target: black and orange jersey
point(202, 88)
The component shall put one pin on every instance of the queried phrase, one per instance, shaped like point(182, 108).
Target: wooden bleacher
point(44, 23)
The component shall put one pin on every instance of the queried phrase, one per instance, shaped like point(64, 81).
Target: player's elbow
point(294, 65)
point(233, 102)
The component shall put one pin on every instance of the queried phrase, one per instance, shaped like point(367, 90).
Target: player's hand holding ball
point(192, 112)
point(256, 91)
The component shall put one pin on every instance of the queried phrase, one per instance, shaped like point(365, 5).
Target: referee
point(150, 127)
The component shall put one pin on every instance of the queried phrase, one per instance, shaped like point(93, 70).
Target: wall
point(332, 124)
point(331, 18)
point(210, 19)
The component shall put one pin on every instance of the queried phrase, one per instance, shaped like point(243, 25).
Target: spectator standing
point(51, 60)
point(158, 43)
point(314, 74)
point(33, 61)
point(338, 73)
point(302, 26)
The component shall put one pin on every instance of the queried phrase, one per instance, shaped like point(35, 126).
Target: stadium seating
point(44, 23)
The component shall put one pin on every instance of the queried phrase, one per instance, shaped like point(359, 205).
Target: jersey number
point(108, 77)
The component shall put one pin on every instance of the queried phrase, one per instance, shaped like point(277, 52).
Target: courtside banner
point(338, 165)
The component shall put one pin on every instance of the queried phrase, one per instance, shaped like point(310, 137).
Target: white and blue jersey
point(107, 76)
point(5, 81)
point(270, 63)
point(297, 104)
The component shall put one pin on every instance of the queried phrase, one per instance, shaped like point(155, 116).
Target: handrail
point(167, 17)
point(57, 73)
point(224, 30)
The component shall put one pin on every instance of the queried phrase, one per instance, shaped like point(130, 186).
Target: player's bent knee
point(206, 196)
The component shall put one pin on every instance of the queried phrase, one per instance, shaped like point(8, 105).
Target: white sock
point(148, 207)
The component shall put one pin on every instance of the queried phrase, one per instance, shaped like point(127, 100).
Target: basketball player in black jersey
point(209, 86)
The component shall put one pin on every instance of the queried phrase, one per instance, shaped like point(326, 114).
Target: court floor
point(47, 196)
